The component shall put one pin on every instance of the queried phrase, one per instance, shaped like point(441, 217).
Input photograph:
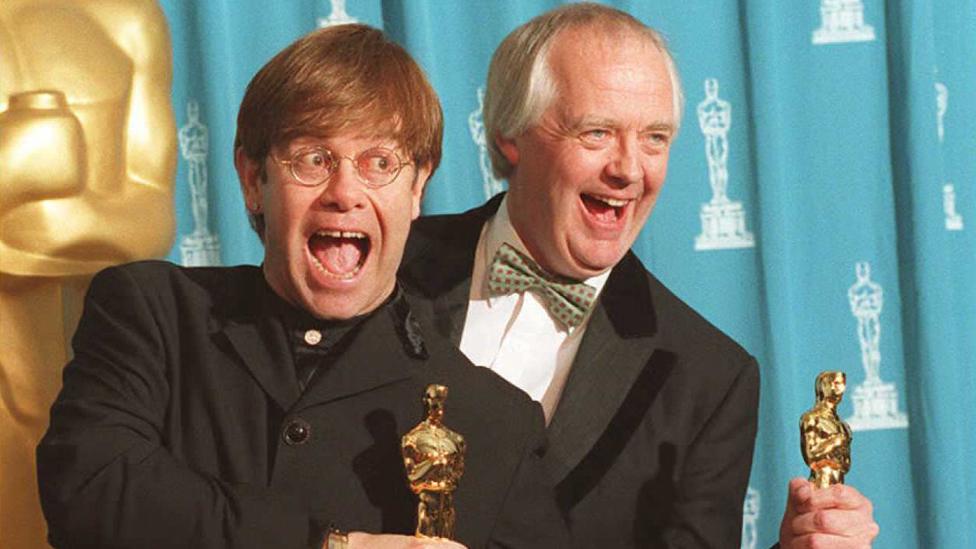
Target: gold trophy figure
point(87, 159)
point(433, 457)
point(825, 439)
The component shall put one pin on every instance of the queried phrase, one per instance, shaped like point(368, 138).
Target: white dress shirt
point(514, 334)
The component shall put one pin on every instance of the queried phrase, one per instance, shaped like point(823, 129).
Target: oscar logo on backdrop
point(723, 220)
point(750, 519)
point(88, 154)
point(953, 219)
point(476, 124)
point(337, 16)
point(875, 401)
point(941, 107)
point(842, 21)
point(200, 248)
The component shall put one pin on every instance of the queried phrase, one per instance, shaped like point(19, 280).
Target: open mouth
point(339, 254)
point(603, 208)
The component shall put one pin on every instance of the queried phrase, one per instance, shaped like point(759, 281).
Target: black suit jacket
point(170, 428)
point(651, 443)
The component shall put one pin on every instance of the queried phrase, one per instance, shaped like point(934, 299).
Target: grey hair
point(521, 86)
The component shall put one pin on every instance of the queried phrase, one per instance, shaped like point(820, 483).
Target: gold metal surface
point(87, 159)
point(825, 439)
point(433, 456)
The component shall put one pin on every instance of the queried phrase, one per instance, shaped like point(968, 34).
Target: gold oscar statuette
point(825, 439)
point(433, 457)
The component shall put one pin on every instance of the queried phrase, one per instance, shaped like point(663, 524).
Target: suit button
point(296, 432)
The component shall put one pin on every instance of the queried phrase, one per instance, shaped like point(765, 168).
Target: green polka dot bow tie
point(514, 272)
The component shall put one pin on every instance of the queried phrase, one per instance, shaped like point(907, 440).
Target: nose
point(624, 166)
point(343, 191)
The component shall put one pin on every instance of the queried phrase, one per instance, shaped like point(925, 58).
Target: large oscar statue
point(433, 457)
point(87, 159)
point(825, 439)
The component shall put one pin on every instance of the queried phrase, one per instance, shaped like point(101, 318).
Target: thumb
point(800, 494)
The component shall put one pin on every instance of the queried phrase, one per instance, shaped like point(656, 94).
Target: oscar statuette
point(825, 439)
point(433, 457)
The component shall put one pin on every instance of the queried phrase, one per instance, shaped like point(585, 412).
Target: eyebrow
point(304, 143)
point(591, 121)
point(588, 121)
point(660, 126)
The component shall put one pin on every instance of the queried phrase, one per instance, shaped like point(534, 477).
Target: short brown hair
point(346, 78)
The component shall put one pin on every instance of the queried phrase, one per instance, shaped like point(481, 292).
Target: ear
point(417, 192)
point(249, 174)
point(508, 148)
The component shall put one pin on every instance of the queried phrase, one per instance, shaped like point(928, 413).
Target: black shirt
point(316, 342)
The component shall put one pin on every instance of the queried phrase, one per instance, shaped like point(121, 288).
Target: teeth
point(612, 202)
point(321, 269)
point(341, 234)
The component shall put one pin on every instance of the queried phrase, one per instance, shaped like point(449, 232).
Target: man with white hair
point(651, 410)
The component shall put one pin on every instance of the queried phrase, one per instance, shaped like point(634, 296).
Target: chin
point(346, 302)
point(334, 308)
point(596, 263)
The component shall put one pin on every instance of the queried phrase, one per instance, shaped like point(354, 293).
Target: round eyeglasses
point(375, 167)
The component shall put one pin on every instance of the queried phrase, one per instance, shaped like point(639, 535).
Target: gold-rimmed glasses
point(376, 167)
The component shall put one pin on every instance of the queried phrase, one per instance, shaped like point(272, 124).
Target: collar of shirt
point(499, 230)
point(299, 322)
point(312, 339)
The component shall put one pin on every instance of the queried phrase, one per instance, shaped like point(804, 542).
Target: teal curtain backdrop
point(820, 205)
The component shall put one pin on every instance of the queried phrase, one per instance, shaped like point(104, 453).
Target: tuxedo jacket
point(651, 443)
point(181, 424)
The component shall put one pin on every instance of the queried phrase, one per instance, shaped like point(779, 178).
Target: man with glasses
point(263, 407)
